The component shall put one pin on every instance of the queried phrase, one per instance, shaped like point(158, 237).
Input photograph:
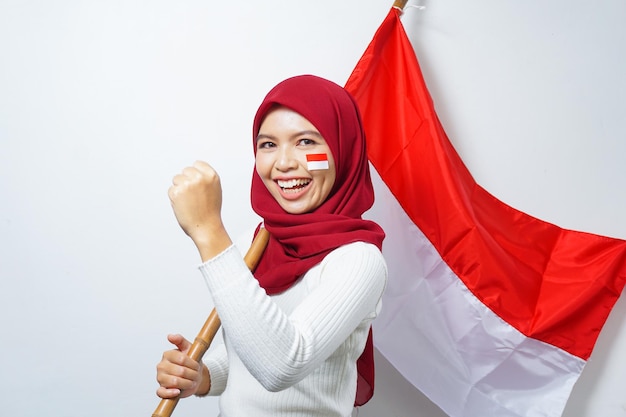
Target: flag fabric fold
point(488, 311)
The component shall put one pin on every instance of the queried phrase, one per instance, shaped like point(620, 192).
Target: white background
point(102, 102)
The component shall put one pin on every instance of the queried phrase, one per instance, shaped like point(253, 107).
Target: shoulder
point(355, 271)
point(356, 257)
point(356, 249)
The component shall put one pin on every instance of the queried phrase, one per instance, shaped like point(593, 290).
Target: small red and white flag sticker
point(316, 161)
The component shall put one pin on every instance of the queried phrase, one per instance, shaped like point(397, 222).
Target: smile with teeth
point(293, 185)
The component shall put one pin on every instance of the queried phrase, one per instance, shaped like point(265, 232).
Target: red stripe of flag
point(316, 157)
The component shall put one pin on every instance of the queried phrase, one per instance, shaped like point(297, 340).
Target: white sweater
point(294, 353)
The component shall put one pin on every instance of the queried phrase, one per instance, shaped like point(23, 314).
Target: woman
point(295, 330)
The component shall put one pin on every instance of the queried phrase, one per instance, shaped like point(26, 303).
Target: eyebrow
point(301, 133)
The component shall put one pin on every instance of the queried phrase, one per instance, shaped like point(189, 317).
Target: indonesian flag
point(316, 161)
point(488, 311)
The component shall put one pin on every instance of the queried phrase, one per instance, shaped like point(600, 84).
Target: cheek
point(331, 183)
point(328, 181)
point(332, 179)
point(332, 171)
point(261, 166)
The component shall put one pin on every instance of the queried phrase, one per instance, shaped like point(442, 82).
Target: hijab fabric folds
point(300, 241)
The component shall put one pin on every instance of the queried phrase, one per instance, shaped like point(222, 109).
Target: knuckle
point(172, 382)
point(179, 371)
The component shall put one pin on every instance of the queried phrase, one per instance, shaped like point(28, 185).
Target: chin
point(294, 209)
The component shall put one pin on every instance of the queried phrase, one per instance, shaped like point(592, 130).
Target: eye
point(265, 144)
point(306, 142)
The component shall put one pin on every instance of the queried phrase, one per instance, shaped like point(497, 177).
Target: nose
point(286, 160)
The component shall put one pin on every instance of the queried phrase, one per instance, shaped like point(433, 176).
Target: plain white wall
point(101, 103)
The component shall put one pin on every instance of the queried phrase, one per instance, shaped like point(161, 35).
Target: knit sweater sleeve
point(216, 361)
point(280, 349)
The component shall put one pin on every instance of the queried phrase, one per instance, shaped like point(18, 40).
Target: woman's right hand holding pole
point(179, 375)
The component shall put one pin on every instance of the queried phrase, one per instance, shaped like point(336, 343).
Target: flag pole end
point(400, 4)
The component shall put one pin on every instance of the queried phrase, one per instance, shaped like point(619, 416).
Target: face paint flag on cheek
point(316, 161)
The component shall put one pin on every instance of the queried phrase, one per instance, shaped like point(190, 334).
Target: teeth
point(293, 183)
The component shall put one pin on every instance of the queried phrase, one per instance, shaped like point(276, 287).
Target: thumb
point(179, 341)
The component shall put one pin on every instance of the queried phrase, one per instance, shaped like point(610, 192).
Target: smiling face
point(285, 139)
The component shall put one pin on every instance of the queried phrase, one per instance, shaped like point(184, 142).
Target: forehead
point(282, 119)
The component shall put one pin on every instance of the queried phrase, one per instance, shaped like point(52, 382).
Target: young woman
point(297, 332)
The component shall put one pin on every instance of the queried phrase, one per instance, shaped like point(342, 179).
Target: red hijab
point(300, 241)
